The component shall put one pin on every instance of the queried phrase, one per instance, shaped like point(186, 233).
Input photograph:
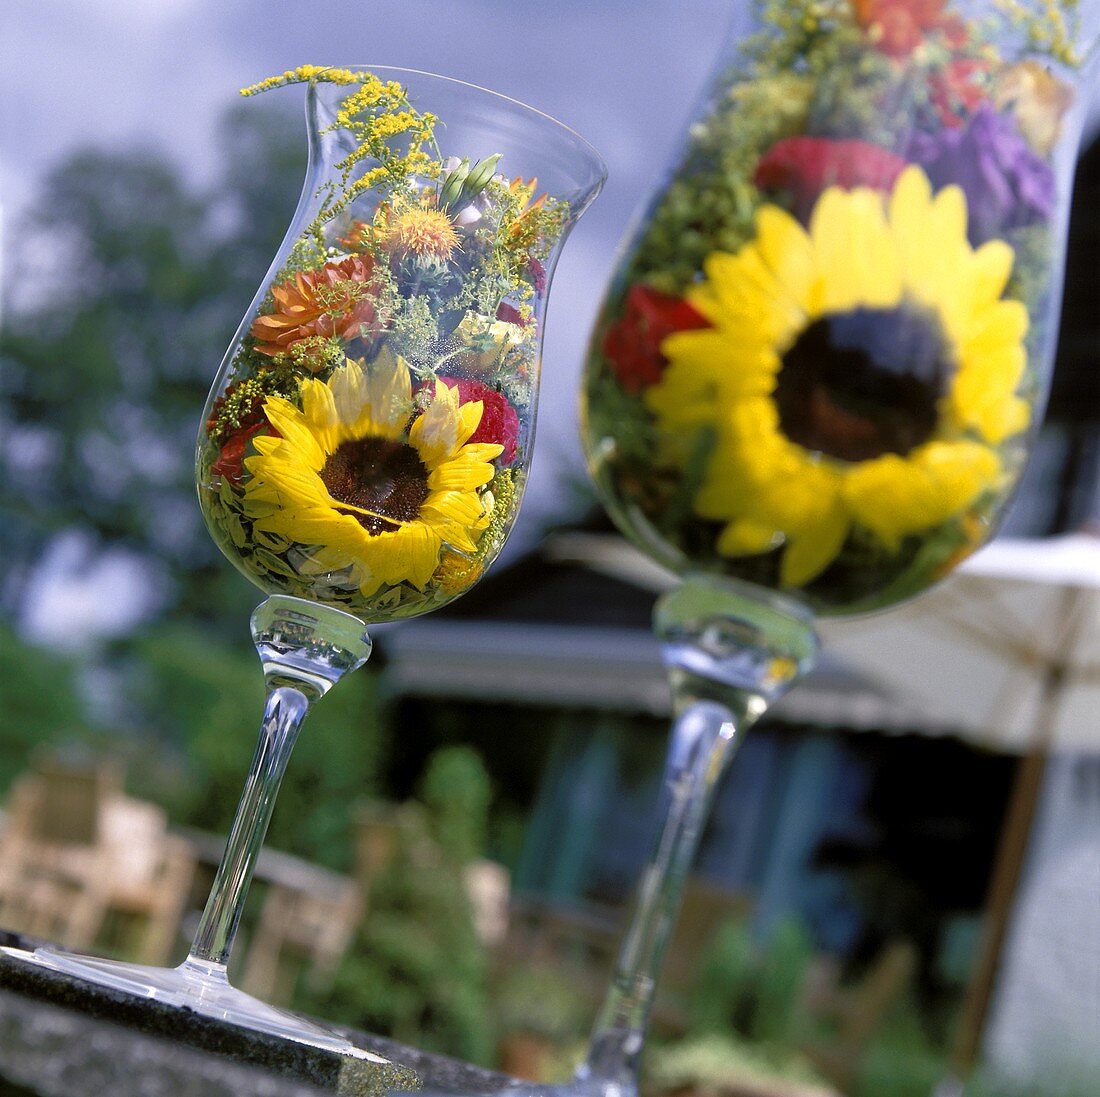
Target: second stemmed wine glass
point(367, 439)
point(820, 364)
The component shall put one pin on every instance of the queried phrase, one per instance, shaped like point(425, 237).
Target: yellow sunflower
point(351, 480)
point(860, 372)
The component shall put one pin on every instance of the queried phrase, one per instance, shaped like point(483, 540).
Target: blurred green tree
point(131, 284)
point(205, 698)
point(417, 970)
point(40, 703)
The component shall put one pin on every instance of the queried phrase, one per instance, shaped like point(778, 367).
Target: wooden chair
point(150, 874)
point(854, 1012)
point(54, 867)
point(305, 929)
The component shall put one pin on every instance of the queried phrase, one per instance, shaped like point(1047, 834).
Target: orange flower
point(956, 91)
point(1038, 99)
point(334, 302)
point(900, 25)
point(522, 232)
point(359, 237)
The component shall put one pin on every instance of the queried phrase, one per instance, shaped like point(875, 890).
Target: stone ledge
point(68, 1038)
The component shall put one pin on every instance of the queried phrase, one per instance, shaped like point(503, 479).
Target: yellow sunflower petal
point(349, 392)
point(436, 433)
point(809, 554)
point(389, 395)
point(454, 515)
point(293, 480)
point(947, 216)
point(990, 270)
point(467, 470)
point(860, 253)
point(745, 537)
point(895, 496)
point(319, 409)
point(995, 325)
point(853, 243)
point(740, 366)
point(840, 284)
point(286, 494)
point(410, 554)
point(908, 210)
point(266, 444)
point(295, 430)
point(338, 532)
point(788, 251)
point(469, 417)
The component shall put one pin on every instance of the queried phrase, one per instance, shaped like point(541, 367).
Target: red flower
point(632, 345)
point(899, 25)
point(802, 167)
point(250, 420)
point(953, 91)
point(510, 314)
point(955, 31)
point(538, 274)
point(499, 422)
point(230, 462)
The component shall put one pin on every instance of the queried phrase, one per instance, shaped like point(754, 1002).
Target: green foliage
point(725, 986)
point(106, 368)
point(746, 1022)
point(1051, 1087)
point(39, 702)
point(709, 1063)
point(417, 970)
point(544, 999)
point(902, 1061)
point(741, 987)
point(206, 696)
point(785, 962)
point(456, 791)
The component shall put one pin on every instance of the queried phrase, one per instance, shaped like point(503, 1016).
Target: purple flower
point(1007, 186)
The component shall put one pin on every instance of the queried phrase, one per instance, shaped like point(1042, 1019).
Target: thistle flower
point(419, 232)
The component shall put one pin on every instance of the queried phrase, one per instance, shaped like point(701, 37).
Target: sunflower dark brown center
point(858, 384)
point(376, 474)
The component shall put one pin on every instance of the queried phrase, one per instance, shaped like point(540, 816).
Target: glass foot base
point(204, 989)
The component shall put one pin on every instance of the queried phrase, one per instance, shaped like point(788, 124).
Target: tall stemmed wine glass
point(367, 440)
point(822, 358)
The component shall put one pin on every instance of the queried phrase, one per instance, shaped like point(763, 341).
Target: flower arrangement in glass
point(821, 360)
point(366, 442)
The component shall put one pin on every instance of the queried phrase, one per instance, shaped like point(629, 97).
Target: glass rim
point(594, 153)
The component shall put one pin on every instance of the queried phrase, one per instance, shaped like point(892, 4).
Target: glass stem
point(305, 649)
point(703, 738)
point(284, 711)
point(731, 650)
